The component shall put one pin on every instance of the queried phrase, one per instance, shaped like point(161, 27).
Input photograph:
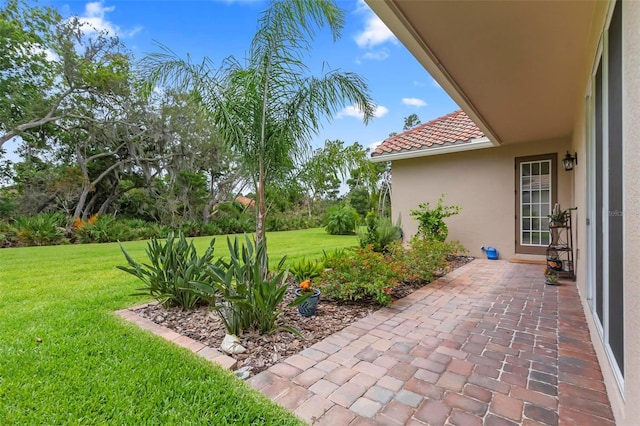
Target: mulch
point(204, 325)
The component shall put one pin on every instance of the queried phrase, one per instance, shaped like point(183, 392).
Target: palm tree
point(268, 109)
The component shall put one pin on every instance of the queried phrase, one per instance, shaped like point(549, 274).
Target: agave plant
point(242, 296)
point(175, 265)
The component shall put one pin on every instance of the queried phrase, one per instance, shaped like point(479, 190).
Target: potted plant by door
point(307, 298)
point(551, 276)
point(558, 217)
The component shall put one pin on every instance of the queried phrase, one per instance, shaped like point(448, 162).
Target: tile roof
point(247, 202)
point(454, 128)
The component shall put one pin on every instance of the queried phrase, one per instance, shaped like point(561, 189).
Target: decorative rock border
point(207, 352)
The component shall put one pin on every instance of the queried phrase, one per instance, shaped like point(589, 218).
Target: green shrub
point(210, 228)
point(242, 297)
point(364, 273)
point(174, 266)
point(151, 230)
point(191, 228)
point(360, 200)
point(291, 221)
point(341, 220)
point(122, 230)
point(369, 236)
point(234, 218)
point(334, 257)
point(8, 205)
point(424, 257)
point(106, 229)
point(43, 229)
point(361, 273)
point(379, 233)
point(235, 225)
point(388, 233)
point(8, 235)
point(305, 269)
point(430, 221)
point(278, 223)
point(100, 229)
point(138, 229)
point(135, 223)
point(231, 208)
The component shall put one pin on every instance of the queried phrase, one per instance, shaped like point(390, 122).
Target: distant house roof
point(247, 202)
point(452, 132)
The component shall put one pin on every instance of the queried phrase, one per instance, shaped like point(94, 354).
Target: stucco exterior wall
point(482, 182)
point(578, 185)
point(623, 400)
point(631, 209)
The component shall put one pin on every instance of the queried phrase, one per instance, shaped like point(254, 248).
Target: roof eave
point(479, 143)
point(403, 30)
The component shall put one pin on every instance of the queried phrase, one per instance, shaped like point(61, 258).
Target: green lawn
point(94, 368)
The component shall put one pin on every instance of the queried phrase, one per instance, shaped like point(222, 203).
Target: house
point(449, 156)
point(542, 81)
point(246, 202)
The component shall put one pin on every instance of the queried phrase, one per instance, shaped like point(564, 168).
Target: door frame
point(526, 249)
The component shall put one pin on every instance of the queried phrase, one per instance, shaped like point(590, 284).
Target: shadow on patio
point(489, 344)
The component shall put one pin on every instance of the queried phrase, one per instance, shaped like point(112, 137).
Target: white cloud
point(379, 55)
point(374, 33)
point(95, 19)
point(96, 9)
point(354, 111)
point(380, 111)
point(372, 146)
point(414, 102)
point(350, 111)
point(418, 83)
point(361, 6)
point(49, 54)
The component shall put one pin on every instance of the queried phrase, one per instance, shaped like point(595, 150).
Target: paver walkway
point(489, 344)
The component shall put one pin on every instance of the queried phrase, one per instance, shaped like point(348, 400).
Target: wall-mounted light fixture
point(569, 160)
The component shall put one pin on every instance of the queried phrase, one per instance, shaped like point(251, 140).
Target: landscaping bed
point(263, 351)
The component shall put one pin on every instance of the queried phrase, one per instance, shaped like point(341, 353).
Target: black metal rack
point(560, 250)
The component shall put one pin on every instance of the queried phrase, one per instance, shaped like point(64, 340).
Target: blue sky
point(219, 28)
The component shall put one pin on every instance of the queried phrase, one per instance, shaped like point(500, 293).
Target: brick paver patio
point(488, 344)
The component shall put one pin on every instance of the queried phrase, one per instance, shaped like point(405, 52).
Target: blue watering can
point(491, 252)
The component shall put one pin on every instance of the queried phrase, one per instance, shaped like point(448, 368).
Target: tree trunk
point(86, 183)
point(207, 213)
point(87, 210)
point(81, 202)
point(309, 202)
point(104, 206)
point(112, 197)
point(260, 222)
